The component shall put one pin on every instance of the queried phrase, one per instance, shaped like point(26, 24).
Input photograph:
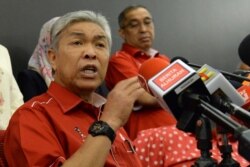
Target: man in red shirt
point(137, 31)
point(68, 125)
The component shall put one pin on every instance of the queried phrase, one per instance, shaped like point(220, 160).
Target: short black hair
point(122, 15)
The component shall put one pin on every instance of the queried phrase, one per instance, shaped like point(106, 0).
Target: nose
point(89, 56)
point(143, 27)
point(89, 52)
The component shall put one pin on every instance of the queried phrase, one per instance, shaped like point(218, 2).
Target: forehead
point(86, 27)
point(137, 14)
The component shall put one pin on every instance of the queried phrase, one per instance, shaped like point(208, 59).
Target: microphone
point(168, 83)
point(218, 85)
point(241, 72)
point(146, 72)
point(244, 50)
point(244, 91)
point(184, 92)
point(231, 76)
point(185, 61)
point(224, 95)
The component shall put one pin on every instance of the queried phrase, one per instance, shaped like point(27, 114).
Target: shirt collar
point(137, 52)
point(68, 100)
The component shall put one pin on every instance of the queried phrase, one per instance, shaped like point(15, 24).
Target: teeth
point(89, 71)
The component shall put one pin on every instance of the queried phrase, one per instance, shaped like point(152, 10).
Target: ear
point(52, 58)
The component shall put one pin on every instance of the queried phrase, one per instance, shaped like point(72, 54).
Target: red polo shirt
point(125, 64)
point(49, 128)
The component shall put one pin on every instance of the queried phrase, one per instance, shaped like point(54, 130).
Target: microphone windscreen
point(244, 50)
point(151, 67)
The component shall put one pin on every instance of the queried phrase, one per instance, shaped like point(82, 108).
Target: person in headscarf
point(36, 79)
point(10, 95)
point(39, 61)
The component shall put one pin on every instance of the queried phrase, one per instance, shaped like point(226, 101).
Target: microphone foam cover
point(152, 66)
point(244, 50)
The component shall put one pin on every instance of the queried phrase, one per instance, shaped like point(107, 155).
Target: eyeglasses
point(136, 24)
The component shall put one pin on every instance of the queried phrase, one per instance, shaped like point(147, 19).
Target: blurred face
point(138, 29)
point(81, 60)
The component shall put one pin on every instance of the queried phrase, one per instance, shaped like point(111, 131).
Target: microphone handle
point(219, 117)
point(233, 76)
point(240, 112)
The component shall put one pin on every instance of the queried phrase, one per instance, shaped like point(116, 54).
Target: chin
point(146, 46)
point(89, 86)
point(86, 85)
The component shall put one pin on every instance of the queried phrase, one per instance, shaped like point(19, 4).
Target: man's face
point(138, 29)
point(81, 60)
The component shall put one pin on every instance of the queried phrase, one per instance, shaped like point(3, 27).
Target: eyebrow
point(100, 37)
point(145, 18)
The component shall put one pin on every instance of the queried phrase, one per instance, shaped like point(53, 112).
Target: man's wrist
point(102, 128)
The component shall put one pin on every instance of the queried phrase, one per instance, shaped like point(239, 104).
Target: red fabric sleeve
point(34, 140)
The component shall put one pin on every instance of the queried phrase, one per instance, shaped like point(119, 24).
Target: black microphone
point(184, 92)
point(168, 83)
point(176, 85)
point(244, 50)
point(236, 78)
point(224, 95)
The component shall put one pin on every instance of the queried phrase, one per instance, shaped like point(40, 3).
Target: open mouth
point(89, 69)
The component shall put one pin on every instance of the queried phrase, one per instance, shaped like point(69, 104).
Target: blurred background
point(202, 31)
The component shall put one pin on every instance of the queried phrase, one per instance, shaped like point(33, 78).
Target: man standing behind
point(137, 31)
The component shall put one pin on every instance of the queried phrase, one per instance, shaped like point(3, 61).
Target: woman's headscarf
point(39, 61)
